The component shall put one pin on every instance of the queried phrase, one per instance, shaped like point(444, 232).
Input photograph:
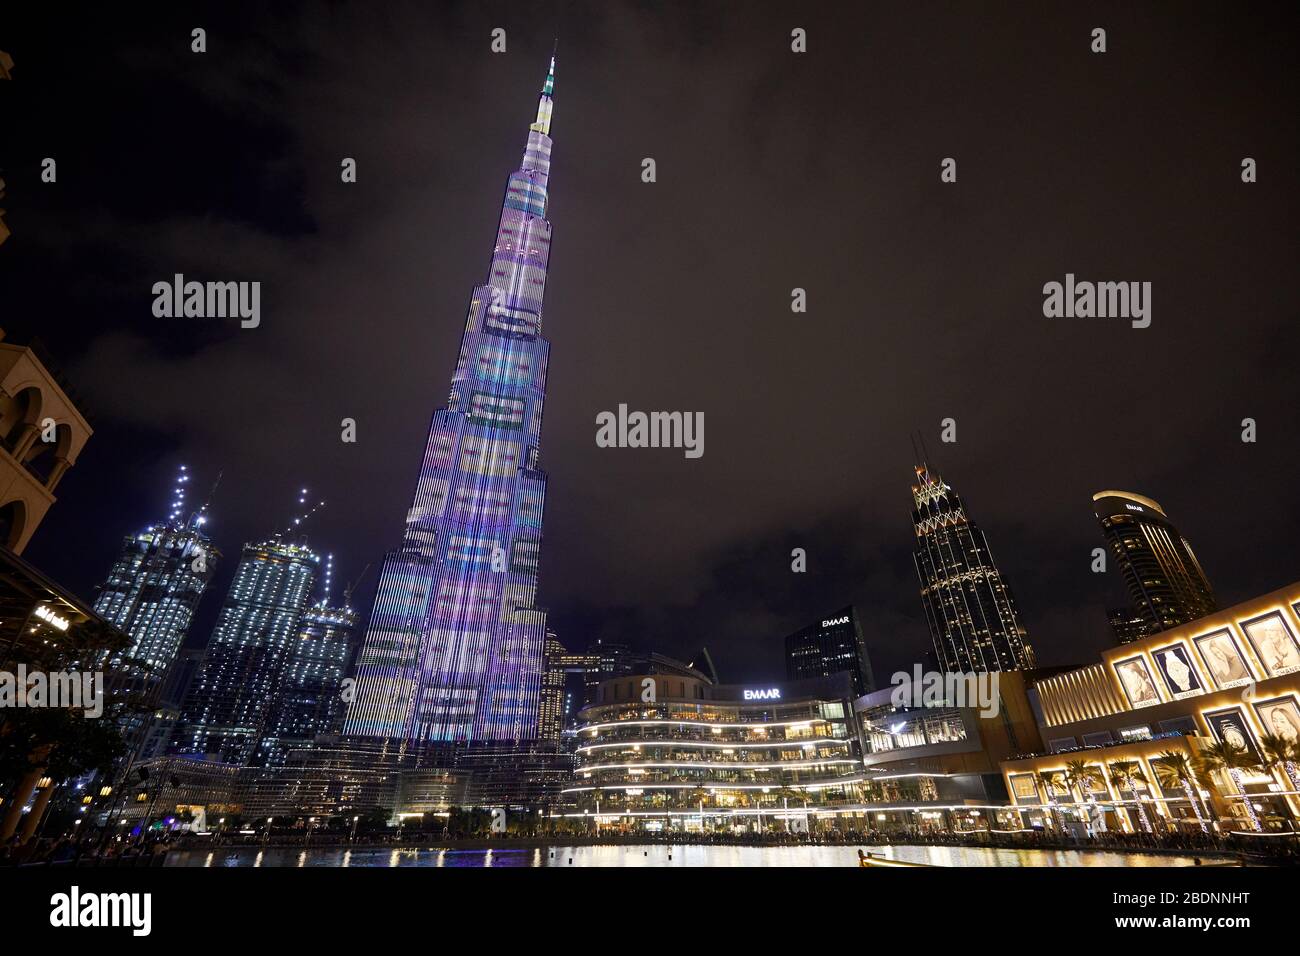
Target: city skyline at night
point(675, 285)
point(1047, 248)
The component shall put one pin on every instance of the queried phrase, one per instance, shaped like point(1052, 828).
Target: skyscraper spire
point(543, 122)
point(455, 643)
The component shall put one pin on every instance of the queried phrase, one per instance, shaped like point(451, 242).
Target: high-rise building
point(225, 714)
point(1163, 577)
point(605, 659)
point(577, 669)
point(309, 699)
point(832, 645)
point(153, 588)
point(551, 710)
point(968, 606)
point(454, 649)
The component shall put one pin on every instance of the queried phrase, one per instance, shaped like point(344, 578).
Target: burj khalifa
point(453, 651)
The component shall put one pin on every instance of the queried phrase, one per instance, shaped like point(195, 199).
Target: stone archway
point(13, 523)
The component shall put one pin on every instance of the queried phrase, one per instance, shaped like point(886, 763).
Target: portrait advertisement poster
point(1135, 678)
point(1223, 659)
point(1024, 787)
point(1175, 665)
point(1274, 644)
point(1230, 727)
point(1280, 717)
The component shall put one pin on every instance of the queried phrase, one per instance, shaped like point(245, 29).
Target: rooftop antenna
point(925, 452)
point(201, 516)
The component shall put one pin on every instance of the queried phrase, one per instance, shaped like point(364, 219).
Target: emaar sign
point(769, 693)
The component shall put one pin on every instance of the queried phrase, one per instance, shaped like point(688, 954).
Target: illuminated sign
point(838, 620)
point(1135, 508)
point(770, 693)
point(49, 616)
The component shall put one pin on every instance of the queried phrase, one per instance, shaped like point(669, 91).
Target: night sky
point(775, 171)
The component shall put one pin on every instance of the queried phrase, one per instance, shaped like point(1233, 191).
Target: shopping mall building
point(1137, 741)
point(1127, 744)
point(671, 751)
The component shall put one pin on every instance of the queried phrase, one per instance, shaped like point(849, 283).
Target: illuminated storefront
point(935, 768)
point(1192, 728)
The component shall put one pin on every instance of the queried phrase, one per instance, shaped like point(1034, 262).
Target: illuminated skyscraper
point(308, 699)
point(550, 718)
point(454, 649)
point(155, 586)
point(969, 608)
point(1163, 577)
point(226, 711)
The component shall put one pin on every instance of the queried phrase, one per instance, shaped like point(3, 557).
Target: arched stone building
point(41, 435)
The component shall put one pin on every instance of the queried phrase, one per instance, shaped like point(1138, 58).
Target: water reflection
point(563, 856)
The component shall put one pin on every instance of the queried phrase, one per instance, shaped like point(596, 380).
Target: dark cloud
point(775, 171)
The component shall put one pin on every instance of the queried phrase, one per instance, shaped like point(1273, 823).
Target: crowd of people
point(152, 849)
point(67, 851)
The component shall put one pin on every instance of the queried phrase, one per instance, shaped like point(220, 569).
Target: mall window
point(1179, 725)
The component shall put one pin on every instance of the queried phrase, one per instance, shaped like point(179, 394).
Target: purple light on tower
point(454, 647)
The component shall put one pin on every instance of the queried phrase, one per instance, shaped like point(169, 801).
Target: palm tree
point(785, 793)
point(1173, 769)
point(1280, 754)
point(1127, 775)
point(1047, 782)
point(1230, 760)
point(1079, 776)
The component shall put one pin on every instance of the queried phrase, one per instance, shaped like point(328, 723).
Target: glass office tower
point(1160, 571)
point(454, 649)
point(833, 645)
